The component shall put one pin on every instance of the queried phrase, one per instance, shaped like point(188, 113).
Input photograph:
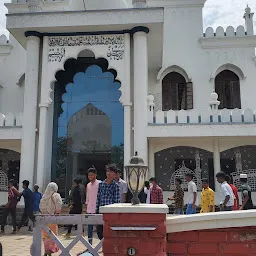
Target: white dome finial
point(248, 9)
point(214, 103)
point(139, 3)
point(150, 99)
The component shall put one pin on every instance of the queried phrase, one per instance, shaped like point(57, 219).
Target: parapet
point(230, 32)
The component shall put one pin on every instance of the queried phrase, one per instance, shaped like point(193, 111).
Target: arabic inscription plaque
point(114, 45)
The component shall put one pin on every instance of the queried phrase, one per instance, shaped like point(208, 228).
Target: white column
point(30, 111)
point(140, 91)
point(127, 101)
point(75, 164)
point(151, 159)
point(216, 162)
point(44, 105)
point(41, 172)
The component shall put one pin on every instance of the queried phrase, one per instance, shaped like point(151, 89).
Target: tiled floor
point(19, 244)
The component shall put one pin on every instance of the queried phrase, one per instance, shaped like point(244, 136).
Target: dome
point(102, 4)
point(214, 96)
point(248, 10)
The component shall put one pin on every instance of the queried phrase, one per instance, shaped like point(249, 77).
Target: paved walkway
point(19, 244)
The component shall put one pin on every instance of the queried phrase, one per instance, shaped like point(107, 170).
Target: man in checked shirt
point(156, 193)
point(108, 193)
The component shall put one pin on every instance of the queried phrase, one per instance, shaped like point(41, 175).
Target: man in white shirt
point(192, 193)
point(123, 187)
point(147, 192)
point(226, 193)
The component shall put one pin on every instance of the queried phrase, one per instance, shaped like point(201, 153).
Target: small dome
point(248, 10)
point(214, 96)
point(3, 39)
point(150, 97)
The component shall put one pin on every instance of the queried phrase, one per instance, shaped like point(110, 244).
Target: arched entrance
point(88, 120)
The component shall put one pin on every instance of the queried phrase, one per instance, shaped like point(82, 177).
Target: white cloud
point(216, 13)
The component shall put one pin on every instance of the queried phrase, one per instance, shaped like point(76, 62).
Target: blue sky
point(216, 13)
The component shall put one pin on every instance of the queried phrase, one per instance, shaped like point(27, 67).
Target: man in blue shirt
point(37, 196)
point(29, 204)
point(108, 193)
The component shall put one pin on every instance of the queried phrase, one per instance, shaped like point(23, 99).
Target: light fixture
point(136, 173)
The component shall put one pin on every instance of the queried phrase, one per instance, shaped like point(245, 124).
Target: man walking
point(108, 193)
point(147, 192)
point(10, 207)
point(29, 203)
point(207, 197)
point(76, 203)
point(123, 187)
point(235, 192)
point(156, 193)
point(246, 191)
point(91, 197)
point(226, 193)
point(192, 194)
point(178, 197)
point(37, 196)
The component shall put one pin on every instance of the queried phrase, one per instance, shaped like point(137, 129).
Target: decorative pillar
point(34, 5)
point(216, 162)
point(27, 164)
point(248, 16)
point(140, 91)
point(139, 3)
point(134, 229)
point(127, 101)
point(151, 108)
point(43, 127)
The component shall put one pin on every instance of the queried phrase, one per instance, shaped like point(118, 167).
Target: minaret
point(248, 16)
point(139, 3)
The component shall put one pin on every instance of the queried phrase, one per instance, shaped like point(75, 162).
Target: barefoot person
point(76, 203)
point(51, 204)
point(91, 197)
point(10, 207)
point(192, 194)
point(29, 204)
point(178, 197)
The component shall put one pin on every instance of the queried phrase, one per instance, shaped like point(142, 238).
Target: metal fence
point(79, 219)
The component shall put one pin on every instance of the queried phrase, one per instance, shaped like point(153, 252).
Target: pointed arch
point(21, 80)
point(227, 86)
point(233, 68)
point(174, 68)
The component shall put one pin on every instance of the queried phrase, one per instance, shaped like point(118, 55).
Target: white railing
point(11, 120)
point(78, 219)
point(225, 116)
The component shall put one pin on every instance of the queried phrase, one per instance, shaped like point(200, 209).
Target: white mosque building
point(89, 82)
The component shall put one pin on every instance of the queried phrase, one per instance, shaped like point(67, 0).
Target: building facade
point(86, 83)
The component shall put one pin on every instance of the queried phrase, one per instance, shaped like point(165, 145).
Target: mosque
point(89, 82)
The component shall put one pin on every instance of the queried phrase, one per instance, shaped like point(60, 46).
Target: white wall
point(12, 67)
point(182, 30)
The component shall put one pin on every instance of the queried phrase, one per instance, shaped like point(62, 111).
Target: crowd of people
point(229, 198)
point(115, 190)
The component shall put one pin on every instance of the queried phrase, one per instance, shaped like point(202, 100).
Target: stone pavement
point(19, 244)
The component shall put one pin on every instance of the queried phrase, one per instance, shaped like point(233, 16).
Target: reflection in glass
point(88, 125)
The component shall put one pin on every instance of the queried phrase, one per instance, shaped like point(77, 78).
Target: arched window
point(177, 94)
point(227, 86)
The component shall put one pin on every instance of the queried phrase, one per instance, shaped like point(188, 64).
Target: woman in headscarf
point(50, 204)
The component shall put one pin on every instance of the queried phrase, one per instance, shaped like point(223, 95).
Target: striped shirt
point(107, 194)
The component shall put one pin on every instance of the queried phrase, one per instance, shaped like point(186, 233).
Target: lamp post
point(136, 172)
